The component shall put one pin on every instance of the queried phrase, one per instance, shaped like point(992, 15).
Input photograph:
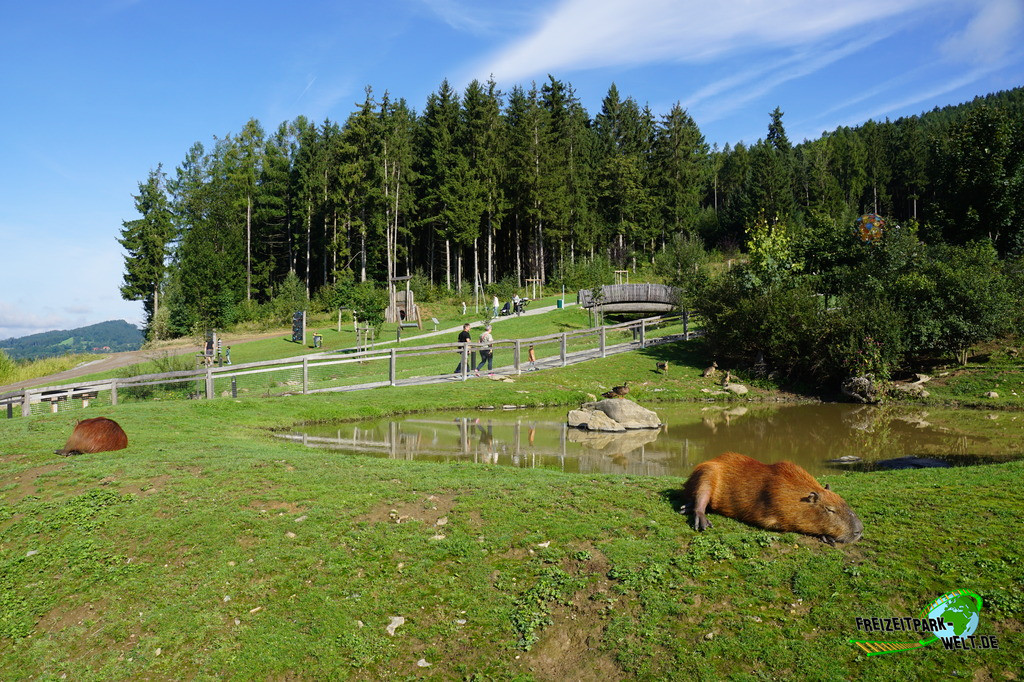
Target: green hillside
point(105, 337)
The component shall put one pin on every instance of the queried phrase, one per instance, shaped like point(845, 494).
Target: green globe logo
point(952, 619)
point(960, 611)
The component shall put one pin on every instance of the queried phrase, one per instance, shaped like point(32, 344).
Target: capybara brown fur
point(781, 497)
point(98, 434)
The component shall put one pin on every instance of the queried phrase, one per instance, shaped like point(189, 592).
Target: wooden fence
point(349, 370)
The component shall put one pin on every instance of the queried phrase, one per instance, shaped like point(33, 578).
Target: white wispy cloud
point(762, 81)
point(75, 282)
point(461, 17)
point(583, 34)
point(924, 95)
point(483, 18)
point(990, 34)
point(16, 322)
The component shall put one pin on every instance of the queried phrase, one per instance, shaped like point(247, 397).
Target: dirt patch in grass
point(428, 509)
point(63, 616)
point(282, 507)
point(26, 481)
point(571, 647)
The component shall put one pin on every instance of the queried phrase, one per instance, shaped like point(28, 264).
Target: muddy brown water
point(809, 435)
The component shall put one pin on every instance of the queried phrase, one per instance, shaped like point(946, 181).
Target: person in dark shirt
point(464, 337)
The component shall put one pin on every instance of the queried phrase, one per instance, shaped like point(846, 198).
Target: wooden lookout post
point(402, 309)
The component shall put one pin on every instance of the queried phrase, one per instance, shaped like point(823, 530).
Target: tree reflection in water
point(807, 434)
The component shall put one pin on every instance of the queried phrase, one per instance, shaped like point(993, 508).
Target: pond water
point(809, 435)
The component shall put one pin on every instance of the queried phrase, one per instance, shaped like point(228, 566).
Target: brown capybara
point(98, 434)
point(782, 497)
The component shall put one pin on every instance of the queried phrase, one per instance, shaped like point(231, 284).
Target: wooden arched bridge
point(632, 298)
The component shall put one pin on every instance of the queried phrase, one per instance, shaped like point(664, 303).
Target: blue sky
point(96, 93)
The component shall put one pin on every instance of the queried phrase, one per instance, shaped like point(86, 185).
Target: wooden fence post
point(113, 391)
point(465, 361)
point(26, 404)
point(603, 340)
point(643, 332)
point(515, 358)
point(561, 349)
point(209, 383)
point(305, 374)
point(391, 369)
point(686, 325)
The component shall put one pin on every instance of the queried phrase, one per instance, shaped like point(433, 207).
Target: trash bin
point(560, 303)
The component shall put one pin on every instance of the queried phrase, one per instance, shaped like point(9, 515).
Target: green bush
point(897, 305)
point(291, 297)
point(7, 368)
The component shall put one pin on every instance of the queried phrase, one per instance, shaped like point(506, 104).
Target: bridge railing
point(639, 293)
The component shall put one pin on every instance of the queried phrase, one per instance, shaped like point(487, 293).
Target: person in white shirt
point(486, 353)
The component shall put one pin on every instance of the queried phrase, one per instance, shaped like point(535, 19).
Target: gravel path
point(130, 357)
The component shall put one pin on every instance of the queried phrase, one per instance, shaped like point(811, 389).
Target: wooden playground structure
point(402, 309)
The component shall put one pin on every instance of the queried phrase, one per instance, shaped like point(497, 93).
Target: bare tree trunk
point(458, 270)
point(248, 249)
point(519, 255)
point(362, 252)
point(448, 264)
point(398, 185)
point(309, 238)
point(541, 269)
point(490, 249)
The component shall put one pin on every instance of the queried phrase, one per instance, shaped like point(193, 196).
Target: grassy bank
point(12, 372)
point(209, 549)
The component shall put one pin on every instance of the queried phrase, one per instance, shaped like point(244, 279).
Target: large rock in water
point(593, 420)
point(613, 414)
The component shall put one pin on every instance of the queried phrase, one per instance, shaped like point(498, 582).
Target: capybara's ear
point(827, 487)
point(812, 497)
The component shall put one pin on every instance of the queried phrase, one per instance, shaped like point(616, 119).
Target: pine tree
point(680, 162)
point(245, 162)
point(146, 241)
point(482, 143)
point(624, 198)
point(443, 169)
point(397, 128)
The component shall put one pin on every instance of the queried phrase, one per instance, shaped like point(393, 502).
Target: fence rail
point(350, 370)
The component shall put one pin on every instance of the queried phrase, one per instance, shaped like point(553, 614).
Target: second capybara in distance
point(98, 434)
point(781, 497)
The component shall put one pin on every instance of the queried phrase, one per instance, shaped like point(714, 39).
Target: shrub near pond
point(891, 308)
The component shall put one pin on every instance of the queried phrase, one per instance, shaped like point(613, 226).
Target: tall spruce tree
point(443, 169)
point(624, 198)
point(482, 143)
point(680, 163)
point(146, 242)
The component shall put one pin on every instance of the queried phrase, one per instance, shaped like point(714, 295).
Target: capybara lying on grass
point(782, 497)
point(98, 434)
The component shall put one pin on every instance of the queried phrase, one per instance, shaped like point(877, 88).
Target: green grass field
point(209, 549)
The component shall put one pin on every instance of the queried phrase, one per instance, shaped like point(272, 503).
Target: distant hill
point(105, 337)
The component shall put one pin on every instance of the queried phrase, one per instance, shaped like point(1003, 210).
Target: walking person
point(464, 338)
point(486, 353)
point(494, 304)
point(533, 359)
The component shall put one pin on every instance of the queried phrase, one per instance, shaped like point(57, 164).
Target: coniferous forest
point(484, 186)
